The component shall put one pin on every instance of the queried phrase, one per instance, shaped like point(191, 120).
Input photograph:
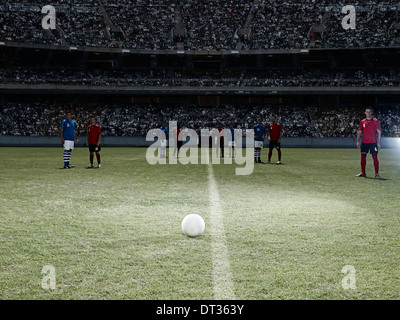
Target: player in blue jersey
point(164, 143)
point(259, 136)
point(68, 137)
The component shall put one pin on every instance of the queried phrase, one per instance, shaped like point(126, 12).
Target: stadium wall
point(30, 141)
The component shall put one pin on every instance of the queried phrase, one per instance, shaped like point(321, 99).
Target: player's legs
point(374, 154)
point(163, 149)
point(67, 157)
point(98, 158)
point(363, 165)
point(376, 163)
point(68, 147)
point(364, 151)
point(180, 143)
point(272, 145)
point(232, 148)
point(91, 157)
point(363, 162)
point(270, 154)
point(257, 152)
point(278, 147)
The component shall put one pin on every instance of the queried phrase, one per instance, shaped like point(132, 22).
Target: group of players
point(369, 134)
point(69, 136)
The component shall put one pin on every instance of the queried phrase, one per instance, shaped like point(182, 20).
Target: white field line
point(223, 286)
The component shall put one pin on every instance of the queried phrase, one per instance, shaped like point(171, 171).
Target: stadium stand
point(202, 24)
point(272, 78)
point(36, 119)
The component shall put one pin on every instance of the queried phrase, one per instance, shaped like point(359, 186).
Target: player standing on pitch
point(68, 137)
point(221, 140)
point(232, 143)
point(275, 136)
point(93, 141)
point(164, 143)
point(370, 129)
point(259, 136)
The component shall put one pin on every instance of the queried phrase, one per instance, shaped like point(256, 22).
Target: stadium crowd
point(35, 119)
point(271, 78)
point(206, 24)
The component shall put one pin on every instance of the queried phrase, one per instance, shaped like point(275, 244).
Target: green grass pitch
point(114, 232)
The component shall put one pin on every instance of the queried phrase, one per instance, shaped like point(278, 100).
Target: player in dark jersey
point(232, 143)
point(370, 130)
point(275, 136)
point(259, 136)
point(93, 141)
point(221, 140)
point(68, 137)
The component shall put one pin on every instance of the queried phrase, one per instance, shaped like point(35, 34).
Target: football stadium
point(276, 122)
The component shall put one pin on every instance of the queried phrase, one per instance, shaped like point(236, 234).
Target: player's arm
point(280, 136)
point(379, 138)
point(98, 141)
point(358, 138)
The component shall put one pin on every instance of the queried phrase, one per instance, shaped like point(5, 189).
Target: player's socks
point(269, 155)
point(67, 158)
point(363, 162)
point(376, 163)
point(279, 154)
point(66, 161)
point(91, 158)
point(98, 158)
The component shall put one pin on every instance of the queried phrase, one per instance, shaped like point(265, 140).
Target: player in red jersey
point(178, 143)
point(275, 136)
point(370, 129)
point(93, 141)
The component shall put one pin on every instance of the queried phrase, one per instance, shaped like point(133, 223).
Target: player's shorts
point(69, 145)
point(274, 144)
point(258, 144)
point(232, 144)
point(164, 143)
point(371, 147)
point(94, 148)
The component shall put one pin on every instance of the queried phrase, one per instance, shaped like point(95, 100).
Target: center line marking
point(223, 286)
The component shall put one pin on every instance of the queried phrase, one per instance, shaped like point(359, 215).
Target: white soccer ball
point(193, 225)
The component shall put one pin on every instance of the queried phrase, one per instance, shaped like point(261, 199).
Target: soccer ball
point(193, 225)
